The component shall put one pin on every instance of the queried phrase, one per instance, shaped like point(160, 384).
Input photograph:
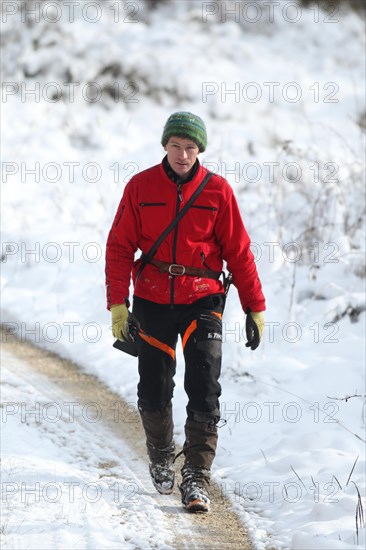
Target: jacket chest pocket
point(154, 218)
point(200, 219)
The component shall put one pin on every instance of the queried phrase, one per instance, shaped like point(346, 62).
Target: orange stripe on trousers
point(188, 332)
point(219, 315)
point(157, 344)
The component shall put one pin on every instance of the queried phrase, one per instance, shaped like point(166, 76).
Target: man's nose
point(183, 154)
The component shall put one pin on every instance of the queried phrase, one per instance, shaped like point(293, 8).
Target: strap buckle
point(173, 269)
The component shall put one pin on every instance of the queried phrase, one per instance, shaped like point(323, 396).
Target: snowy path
point(74, 468)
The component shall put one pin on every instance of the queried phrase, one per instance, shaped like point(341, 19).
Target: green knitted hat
point(185, 125)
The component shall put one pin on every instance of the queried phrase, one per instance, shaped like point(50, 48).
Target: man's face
point(182, 154)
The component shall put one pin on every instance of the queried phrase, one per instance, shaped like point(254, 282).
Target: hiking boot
point(158, 426)
point(194, 488)
point(161, 468)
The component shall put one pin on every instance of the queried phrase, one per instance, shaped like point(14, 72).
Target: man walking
point(178, 291)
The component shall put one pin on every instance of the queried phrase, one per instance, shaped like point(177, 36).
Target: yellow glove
point(119, 321)
point(124, 324)
point(254, 328)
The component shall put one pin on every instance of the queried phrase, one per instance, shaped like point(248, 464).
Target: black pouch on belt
point(127, 347)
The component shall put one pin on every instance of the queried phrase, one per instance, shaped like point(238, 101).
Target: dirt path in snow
point(217, 530)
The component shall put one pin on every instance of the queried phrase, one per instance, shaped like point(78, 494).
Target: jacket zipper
point(175, 237)
point(203, 258)
point(213, 208)
point(152, 203)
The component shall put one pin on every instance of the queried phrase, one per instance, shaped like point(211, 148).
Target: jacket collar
point(174, 176)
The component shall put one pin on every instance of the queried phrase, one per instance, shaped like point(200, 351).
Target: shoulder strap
point(145, 258)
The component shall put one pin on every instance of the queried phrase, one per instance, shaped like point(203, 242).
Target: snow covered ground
point(68, 481)
point(290, 143)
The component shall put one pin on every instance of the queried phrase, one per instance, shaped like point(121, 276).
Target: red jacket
point(211, 231)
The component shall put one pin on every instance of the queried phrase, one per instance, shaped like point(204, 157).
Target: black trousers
point(200, 327)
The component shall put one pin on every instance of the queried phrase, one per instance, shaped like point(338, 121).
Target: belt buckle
point(172, 267)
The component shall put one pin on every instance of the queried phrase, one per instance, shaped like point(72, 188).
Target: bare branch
point(351, 472)
point(346, 398)
point(298, 477)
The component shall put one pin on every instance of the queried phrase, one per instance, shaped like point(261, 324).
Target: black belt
point(178, 270)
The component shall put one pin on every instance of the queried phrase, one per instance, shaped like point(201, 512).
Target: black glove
point(254, 328)
point(133, 326)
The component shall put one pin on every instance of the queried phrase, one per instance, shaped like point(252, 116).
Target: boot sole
point(197, 506)
point(163, 490)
